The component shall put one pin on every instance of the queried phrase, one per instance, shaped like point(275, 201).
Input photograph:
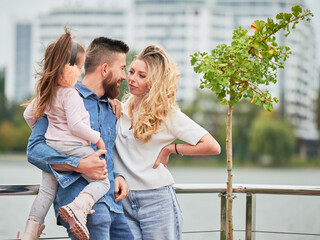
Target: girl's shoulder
point(67, 91)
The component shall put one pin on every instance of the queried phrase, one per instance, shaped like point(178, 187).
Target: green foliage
point(243, 117)
point(124, 85)
point(8, 135)
point(205, 110)
point(272, 138)
point(236, 71)
point(14, 131)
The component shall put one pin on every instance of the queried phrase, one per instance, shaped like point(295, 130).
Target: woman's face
point(137, 78)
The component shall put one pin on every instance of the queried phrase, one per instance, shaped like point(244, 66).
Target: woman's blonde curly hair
point(159, 101)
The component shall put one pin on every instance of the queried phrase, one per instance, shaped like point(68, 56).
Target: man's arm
point(40, 154)
point(92, 166)
point(46, 158)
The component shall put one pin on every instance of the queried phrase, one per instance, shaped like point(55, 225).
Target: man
point(104, 71)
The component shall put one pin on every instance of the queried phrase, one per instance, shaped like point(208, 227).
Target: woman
point(151, 121)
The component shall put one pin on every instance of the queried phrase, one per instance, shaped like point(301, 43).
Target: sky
point(28, 9)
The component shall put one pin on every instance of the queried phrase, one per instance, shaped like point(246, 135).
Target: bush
point(271, 140)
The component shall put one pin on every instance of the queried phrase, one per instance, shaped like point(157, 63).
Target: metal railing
point(249, 189)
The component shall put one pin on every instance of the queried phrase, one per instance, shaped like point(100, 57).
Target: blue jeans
point(154, 214)
point(105, 225)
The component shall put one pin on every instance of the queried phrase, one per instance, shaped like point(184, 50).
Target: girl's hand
point(100, 144)
point(116, 107)
point(163, 156)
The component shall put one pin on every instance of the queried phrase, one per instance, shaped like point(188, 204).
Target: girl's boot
point(33, 230)
point(75, 213)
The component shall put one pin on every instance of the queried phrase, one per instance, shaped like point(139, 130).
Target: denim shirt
point(102, 119)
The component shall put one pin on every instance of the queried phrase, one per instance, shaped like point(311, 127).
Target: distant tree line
point(14, 131)
point(259, 137)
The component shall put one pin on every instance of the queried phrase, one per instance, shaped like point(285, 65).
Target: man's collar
point(86, 92)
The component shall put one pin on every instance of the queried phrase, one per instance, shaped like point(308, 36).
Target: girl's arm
point(28, 114)
point(74, 107)
point(44, 157)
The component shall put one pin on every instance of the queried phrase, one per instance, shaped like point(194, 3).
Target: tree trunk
point(229, 170)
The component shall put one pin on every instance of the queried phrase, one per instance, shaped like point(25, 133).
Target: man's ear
point(104, 69)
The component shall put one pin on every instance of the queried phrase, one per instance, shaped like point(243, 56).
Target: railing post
point(250, 216)
point(223, 216)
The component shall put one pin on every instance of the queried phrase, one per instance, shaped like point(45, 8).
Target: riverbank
point(13, 157)
point(273, 213)
point(200, 161)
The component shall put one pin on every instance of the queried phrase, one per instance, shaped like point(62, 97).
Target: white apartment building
point(18, 79)
point(183, 27)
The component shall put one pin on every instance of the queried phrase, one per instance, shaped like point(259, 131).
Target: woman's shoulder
point(175, 110)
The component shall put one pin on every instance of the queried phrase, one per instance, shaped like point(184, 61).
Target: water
point(200, 211)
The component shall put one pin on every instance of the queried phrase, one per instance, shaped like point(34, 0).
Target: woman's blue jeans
point(154, 214)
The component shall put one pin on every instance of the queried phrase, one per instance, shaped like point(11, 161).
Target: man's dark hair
point(102, 50)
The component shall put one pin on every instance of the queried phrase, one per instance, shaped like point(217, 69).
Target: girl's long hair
point(56, 56)
point(158, 103)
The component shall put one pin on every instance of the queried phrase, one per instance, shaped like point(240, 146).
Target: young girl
point(68, 132)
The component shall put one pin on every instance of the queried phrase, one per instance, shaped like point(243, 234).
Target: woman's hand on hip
point(163, 156)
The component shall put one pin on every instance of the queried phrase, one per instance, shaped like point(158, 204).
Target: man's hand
point(121, 189)
point(93, 166)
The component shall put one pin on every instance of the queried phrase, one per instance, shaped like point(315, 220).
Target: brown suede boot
point(33, 230)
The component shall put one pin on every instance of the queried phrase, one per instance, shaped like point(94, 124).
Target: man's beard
point(110, 87)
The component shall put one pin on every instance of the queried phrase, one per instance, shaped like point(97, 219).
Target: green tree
point(22, 136)
point(23, 131)
point(238, 71)
point(8, 136)
point(206, 110)
point(14, 131)
point(244, 116)
point(272, 139)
